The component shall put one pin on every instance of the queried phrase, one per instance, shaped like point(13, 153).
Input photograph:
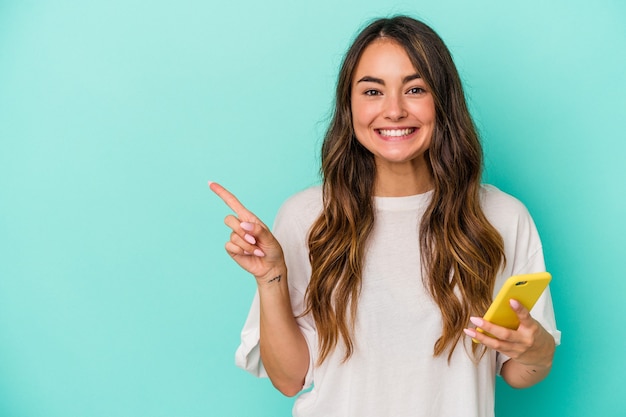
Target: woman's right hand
point(284, 351)
point(251, 243)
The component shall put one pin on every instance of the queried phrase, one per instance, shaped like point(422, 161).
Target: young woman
point(369, 283)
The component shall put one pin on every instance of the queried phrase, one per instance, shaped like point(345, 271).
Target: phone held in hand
point(525, 288)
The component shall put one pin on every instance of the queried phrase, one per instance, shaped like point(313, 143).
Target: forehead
point(384, 56)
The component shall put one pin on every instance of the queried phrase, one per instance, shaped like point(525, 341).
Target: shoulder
point(301, 209)
point(303, 205)
point(506, 213)
point(291, 228)
point(503, 210)
point(514, 223)
point(308, 200)
point(494, 200)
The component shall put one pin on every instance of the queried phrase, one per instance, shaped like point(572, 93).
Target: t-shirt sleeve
point(527, 257)
point(291, 234)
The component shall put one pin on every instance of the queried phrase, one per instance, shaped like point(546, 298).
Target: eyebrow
point(380, 81)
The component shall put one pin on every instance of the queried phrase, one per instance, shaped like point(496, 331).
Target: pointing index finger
point(230, 200)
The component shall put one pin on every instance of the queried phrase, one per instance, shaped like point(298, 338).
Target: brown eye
point(416, 90)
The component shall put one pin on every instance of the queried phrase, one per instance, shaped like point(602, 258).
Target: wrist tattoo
point(276, 278)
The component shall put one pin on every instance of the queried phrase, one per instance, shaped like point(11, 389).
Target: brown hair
point(461, 251)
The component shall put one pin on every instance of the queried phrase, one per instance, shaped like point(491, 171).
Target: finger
point(234, 224)
point(247, 230)
point(490, 342)
point(493, 330)
point(476, 335)
point(230, 200)
point(236, 250)
point(245, 244)
point(259, 233)
point(525, 319)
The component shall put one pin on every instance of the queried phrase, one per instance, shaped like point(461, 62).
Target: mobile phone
point(525, 288)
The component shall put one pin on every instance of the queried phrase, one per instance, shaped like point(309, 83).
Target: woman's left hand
point(530, 345)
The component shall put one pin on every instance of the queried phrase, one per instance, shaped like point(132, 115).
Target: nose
point(394, 108)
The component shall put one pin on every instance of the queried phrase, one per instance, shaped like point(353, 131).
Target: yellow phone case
point(525, 288)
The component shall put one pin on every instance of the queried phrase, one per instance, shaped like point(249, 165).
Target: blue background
point(116, 297)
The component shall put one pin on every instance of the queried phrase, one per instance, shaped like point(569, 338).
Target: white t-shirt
point(392, 371)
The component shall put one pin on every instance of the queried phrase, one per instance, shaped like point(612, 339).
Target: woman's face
point(393, 111)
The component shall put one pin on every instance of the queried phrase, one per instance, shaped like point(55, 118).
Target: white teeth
point(396, 132)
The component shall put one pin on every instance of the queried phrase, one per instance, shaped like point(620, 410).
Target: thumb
point(522, 312)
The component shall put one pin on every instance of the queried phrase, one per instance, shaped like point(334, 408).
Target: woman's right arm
point(284, 351)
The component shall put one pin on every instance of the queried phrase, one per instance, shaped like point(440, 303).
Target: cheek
point(359, 124)
point(424, 111)
point(362, 116)
point(432, 117)
point(429, 111)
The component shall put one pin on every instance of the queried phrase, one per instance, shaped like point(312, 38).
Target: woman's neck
point(400, 180)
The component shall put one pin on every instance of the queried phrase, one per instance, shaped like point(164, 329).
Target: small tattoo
point(277, 279)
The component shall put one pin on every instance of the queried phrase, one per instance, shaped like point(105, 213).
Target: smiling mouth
point(395, 133)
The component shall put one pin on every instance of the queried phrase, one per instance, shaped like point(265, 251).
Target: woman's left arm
point(530, 347)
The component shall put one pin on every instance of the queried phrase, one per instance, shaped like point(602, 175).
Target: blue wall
point(116, 297)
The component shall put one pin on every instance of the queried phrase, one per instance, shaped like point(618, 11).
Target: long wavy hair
point(461, 251)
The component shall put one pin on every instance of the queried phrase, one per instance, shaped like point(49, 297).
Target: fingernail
point(248, 227)
point(259, 253)
point(470, 332)
point(210, 182)
point(250, 239)
point(514, 303)
point(477, 321)
point(246, 252)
